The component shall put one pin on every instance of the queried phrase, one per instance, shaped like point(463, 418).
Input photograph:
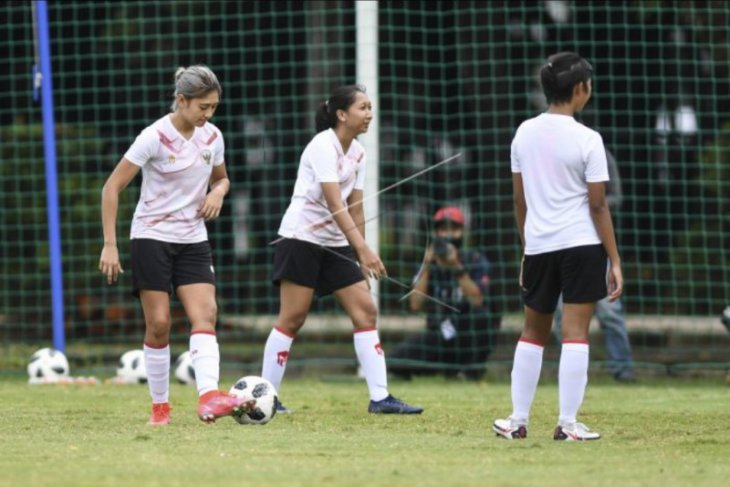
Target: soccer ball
point(47, 365)
point(184, 371)
point(131, 368)
point(260, 390)
point(725, 318)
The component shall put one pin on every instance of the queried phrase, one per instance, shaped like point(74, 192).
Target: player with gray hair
point(184, 181)
point(194, 82)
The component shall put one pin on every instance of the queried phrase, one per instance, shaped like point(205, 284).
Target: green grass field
point(661, 432)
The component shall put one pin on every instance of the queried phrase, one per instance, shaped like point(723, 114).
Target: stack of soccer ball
point(47, 366)
point(184, 371)
point(50, 366)
point(131, 368)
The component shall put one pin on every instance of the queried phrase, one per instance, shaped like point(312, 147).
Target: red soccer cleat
point(214, 404)
point(160, 414)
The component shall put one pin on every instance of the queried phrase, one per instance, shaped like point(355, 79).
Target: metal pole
point(49, 146)
point(366, 15)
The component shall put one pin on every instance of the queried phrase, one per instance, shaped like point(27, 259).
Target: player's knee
point(367, 315)
point(157, 329)
point(291, 323)
point(158, 323)
point(208, 315)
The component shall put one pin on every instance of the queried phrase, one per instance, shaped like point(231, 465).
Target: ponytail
point(341, 99)
point(323, 119)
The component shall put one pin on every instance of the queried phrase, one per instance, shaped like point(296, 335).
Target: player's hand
point(615, 283)
point(109, 263)
point(371, 264)
point(211, 207)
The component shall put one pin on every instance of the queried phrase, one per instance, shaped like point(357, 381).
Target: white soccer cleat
point(575, 432)
point(507, 428)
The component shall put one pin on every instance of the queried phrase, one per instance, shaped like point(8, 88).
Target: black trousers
point(431, 352)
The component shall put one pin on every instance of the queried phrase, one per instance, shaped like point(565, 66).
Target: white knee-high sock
point(276, 354)
point(206, 360)
point(572, 379)
point(372, 360)
point(525, 376)
point(157, 363)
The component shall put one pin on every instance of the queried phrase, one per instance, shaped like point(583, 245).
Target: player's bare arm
point(601, 215)
point(119, 179)
point(219, 186)
point(356, 209)
point(520, 205)
point(369, 260)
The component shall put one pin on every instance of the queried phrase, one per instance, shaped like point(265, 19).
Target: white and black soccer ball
point(131, 368)
point(725, 318)
point(184, 371)
point(260, 390)
point(47, 365)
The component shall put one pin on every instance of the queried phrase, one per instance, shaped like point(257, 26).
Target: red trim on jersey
point(212, 138)
point(584, 342)
point(157, 347)
point(531, 342)
point(284, 332)
point(167, 142)
point(202, 332)
point(363, 330)
point(321, 225)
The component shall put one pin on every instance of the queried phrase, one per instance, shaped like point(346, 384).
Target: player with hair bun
point(323, 241)
point(559, 171)
point(184, 181)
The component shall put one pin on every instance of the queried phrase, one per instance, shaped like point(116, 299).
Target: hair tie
point(327, 104)
point(550, 65)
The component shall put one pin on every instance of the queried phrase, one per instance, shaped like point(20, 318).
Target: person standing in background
point(610, 314)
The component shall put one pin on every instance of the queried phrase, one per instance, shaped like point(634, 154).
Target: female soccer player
point(559, 172)
point(181, 157)
point(323, 239)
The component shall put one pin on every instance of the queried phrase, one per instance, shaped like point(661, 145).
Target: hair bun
point(179, 72)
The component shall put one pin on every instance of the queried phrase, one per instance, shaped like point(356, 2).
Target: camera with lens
point(441, 247)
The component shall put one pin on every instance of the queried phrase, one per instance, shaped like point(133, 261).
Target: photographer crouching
point(455, 343)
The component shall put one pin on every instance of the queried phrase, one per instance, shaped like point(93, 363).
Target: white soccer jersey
point(323, 161)
point(175, 177)
point(558, 157)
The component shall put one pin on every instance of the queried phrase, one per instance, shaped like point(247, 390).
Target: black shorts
point(164, 266)
point(324, 269)
point(579, 273)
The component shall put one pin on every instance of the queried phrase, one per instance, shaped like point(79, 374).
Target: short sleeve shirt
point(557, 157)
point(175, 177)
point(323, 161)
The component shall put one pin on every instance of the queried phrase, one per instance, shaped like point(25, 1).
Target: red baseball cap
point(449, 213)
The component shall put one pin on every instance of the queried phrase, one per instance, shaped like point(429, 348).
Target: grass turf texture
point(661, 433)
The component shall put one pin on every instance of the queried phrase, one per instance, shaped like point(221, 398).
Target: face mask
point(447, 238)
